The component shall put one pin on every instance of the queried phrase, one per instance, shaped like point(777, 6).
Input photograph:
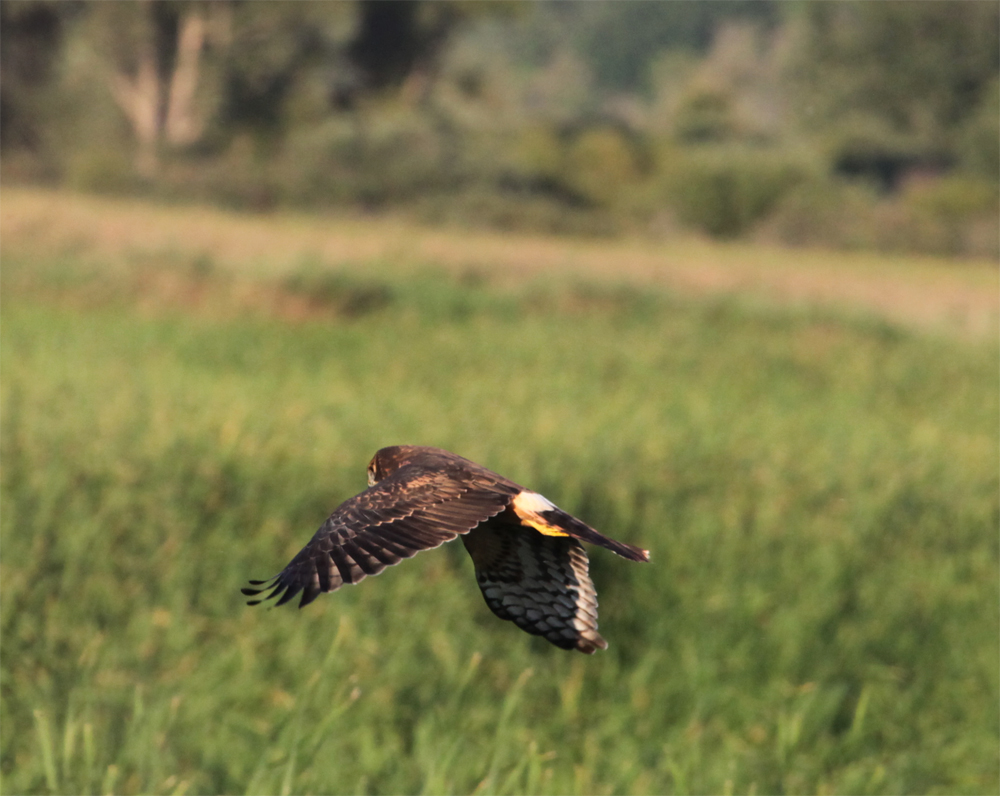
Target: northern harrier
point(529, 562)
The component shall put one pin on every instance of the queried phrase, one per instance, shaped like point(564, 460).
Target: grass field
point(819, 491)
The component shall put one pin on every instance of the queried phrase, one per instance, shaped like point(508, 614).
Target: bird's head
point(388, 460)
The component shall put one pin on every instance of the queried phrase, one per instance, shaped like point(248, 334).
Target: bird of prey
point(529, 562)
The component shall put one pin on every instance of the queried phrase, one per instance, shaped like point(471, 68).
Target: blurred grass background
point(818, 489)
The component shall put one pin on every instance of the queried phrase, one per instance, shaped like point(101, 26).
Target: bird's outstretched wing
point(539, 582)
point(414, 509)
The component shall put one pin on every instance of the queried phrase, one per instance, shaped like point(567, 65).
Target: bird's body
point(529, 562)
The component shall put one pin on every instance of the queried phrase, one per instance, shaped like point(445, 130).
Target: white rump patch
point(532, 503)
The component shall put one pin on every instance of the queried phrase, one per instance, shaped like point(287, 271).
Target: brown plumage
point(529, 562)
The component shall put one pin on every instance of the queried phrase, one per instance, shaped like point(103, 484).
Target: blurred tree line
point(835, 123)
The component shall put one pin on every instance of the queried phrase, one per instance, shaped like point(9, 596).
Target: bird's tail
point(547, 518)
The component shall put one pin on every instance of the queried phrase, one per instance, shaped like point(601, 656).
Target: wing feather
point(324, 576)
point(349, 571)
point(289, 592)
point(388, 544)
point(385, 553)
point(369, 563)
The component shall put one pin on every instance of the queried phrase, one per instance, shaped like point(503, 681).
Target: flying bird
point(529, 560)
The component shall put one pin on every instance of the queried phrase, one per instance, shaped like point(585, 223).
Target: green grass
point(819, 495)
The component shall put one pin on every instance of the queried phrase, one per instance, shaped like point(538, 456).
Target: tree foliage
point(444, 106)
point(898, 81)
point(30, 36)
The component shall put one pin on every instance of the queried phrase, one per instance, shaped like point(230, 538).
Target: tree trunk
point(139, 99)
point(183, 126)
